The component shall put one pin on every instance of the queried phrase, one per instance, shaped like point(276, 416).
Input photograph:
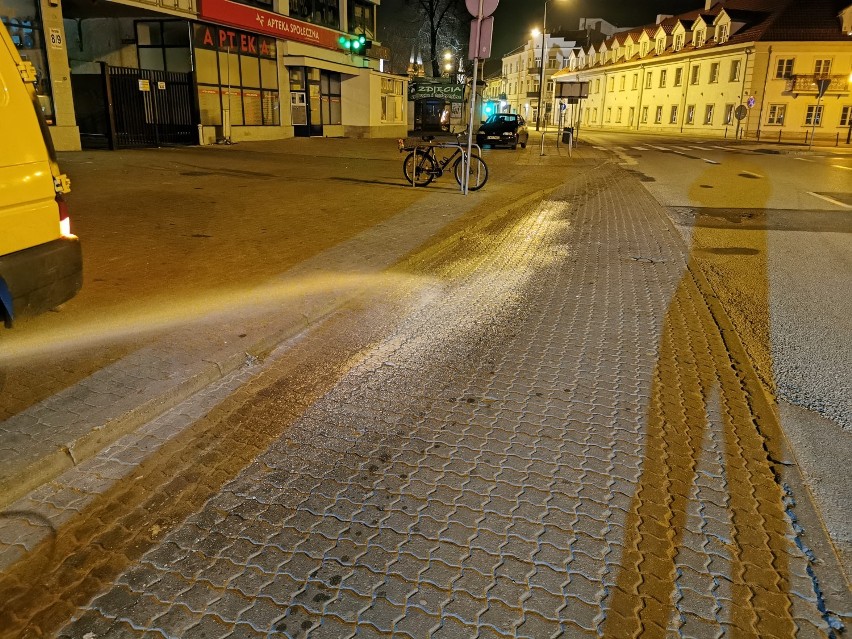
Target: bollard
point(779, 137)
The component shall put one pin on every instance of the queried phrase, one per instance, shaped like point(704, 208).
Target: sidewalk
point(542, 429)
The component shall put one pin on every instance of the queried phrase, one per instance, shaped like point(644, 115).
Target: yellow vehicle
point(40, 260)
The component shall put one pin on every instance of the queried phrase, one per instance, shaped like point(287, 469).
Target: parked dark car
point(503, 129)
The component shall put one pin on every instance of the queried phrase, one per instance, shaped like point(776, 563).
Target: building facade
point(521, 76)
point(736, 68)
point(255, 69)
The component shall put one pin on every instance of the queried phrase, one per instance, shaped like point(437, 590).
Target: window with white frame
point(663, 74)
point(597, 85)
point(678, 42)
point(690, 114)
point(643, 49)
point(649, 78)
point(658, 117)
point(714, 72)
point(678, 79)
point(644, 115)
point(595, 114)
point(735, 70)
point(846, 116)
point(635, 81)
point(784, 68)
point(393, 100)
point(814, 115)
point(661, 45)
point(776, 114)
point(610, 83)
point(699, 38)
point(822, 68)
point(708, 113)
point(609, 114)
point(630, 113)
point(729, 113)
point(621, 82)
point(618, 113)
point(696, 74)
point(673, 115)
point(722, 32)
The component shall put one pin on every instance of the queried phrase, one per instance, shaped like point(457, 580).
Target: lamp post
point(540, 119)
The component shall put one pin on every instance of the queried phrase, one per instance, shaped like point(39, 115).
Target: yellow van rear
point(40, 260)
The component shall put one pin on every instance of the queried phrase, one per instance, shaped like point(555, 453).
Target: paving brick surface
point(552, 443)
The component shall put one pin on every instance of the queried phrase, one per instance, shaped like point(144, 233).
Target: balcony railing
point(808, 84)
point(535, 69)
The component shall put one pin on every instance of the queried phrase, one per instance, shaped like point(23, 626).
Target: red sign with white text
point(243, 16)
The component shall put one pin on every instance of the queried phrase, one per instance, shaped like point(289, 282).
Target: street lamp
point(540, 117)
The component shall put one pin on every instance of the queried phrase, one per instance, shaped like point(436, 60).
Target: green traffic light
point(356, 45)
point(342, 41)
point(347, 45)
point(362, 40)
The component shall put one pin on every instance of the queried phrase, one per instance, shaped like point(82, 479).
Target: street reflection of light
point(162, 314)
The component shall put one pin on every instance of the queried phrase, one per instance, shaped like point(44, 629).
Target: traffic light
point(355, 44)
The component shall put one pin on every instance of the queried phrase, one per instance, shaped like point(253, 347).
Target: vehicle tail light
point(64, 218)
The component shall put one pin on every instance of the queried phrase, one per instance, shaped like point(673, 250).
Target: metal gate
point(150, 108)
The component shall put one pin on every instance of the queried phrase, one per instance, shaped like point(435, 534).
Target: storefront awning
point(307, 61)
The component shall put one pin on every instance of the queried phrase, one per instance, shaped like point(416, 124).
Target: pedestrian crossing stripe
point(640, 148)
point(659, 148)
point(682, 148)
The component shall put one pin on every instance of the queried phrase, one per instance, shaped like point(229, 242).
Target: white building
point(693, 73)
point(521, 78)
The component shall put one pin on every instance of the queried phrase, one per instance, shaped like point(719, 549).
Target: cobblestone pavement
point(545, 433)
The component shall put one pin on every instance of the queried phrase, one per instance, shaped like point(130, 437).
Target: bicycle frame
point(440, 162)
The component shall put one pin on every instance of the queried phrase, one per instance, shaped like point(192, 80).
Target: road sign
point(482, 49)
point(741, 112)
point(488, 7)
point(822, 86)
point(750, 102)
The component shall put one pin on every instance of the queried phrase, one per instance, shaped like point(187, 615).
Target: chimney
point(663, 16)
point(708, 4)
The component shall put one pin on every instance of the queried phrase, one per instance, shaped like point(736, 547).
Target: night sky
point(514, 19)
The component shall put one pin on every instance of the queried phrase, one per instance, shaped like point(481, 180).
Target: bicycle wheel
point(478, 172)
point(423, 173)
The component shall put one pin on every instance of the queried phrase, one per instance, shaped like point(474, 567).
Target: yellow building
point(784, 67)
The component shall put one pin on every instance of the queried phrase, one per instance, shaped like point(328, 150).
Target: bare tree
point(443, 26)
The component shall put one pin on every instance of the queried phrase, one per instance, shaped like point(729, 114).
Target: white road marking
point(721, 148)
point(804, 159)
point(659, 148)
point(683, 148)
point(697, 148)
point(840, 166)
point(831, 200)
point(710, 161)
point(640, 148)
point(750, 174)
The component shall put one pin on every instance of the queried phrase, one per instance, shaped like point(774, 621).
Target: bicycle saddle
point(428, 138)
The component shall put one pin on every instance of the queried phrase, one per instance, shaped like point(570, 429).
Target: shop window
point(23, 21)
point(236, 71)
point(330, 97)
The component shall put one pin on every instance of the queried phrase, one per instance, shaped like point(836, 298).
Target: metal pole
point(466, 162)
point(539, 119)
point(813, 122)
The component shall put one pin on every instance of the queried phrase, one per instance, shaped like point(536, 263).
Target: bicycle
point(423, 164)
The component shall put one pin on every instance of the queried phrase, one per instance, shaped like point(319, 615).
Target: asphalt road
point(772, 230)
